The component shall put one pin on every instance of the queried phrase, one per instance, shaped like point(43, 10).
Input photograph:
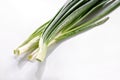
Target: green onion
point(75, 17)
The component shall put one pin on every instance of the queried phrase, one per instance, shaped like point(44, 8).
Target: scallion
point(75, 16)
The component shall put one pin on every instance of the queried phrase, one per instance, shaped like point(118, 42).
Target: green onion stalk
point(74, 17)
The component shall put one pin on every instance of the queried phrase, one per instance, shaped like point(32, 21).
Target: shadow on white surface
point(40, 70)
point(51, 78)
point(42, 65)
point(33, 70)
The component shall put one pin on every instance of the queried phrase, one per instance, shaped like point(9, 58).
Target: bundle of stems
point(75, 17)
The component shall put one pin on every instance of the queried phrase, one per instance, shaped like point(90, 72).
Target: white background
point(93, 55)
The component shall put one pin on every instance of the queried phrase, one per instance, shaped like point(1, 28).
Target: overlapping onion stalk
point(74, 17)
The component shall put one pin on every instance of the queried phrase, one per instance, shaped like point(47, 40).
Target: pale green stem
point(41, 54)
point(33, 54)
point(27, 47)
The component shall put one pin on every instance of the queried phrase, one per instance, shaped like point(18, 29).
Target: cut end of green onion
point(31, 45)
point(33, 55)
point(42, 51)
point(30, 57)
point(16, 52)
point(19, 51)
point(41, 57)
point(39, 60)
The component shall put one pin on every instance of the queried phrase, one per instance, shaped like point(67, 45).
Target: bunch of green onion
point(74, 17)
